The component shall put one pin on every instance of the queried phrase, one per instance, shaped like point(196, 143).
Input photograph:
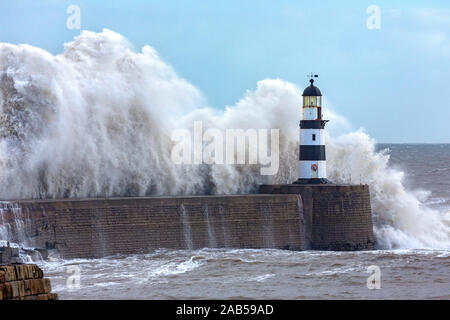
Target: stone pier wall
point(340, 216)
point(295, 217)
point(101, 227)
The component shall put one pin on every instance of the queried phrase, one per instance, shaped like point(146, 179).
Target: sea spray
point(186, 228)
point(5, 227)
point(400, 218)
point(15, 231)
point(211, 232)
point(12, 223)
point(96, 121)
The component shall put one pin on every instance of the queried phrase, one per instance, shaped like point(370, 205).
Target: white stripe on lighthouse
point(312, 137)
point(306, 172)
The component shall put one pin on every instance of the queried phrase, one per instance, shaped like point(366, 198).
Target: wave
point(96, 121)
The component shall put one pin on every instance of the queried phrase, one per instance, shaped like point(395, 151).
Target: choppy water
point(256, 274)
point(279, 274)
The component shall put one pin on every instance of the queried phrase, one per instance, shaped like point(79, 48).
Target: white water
point(96, 121)
point(211, 232)
point(186, 228)
point(15, 235)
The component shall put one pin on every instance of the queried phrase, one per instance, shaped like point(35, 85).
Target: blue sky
point(394, 81)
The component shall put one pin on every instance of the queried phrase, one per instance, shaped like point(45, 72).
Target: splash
point(13, 233)
point(401, 218)
point(95, 121)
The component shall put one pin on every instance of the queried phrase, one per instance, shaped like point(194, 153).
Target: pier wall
point(340, 216)
point(102, 227)
point(295, 217)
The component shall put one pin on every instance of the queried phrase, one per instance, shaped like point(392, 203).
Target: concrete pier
point(100, 227)
point(293, 217)
point(339, 216)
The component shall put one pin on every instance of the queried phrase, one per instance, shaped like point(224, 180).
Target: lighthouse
point(312, 158)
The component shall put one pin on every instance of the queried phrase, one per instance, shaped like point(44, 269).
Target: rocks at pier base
point(24, 282)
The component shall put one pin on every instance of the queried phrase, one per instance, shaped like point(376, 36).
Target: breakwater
point(301, 219)
point(101, 227)
point(340, 216)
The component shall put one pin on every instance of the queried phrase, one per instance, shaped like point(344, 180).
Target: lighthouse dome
point(311, 90)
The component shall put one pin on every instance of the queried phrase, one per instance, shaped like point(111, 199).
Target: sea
point(405, 273)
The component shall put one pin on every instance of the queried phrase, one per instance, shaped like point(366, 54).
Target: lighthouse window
point(306, 101)
point(313, 137)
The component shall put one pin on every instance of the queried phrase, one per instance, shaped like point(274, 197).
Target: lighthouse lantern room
point(312, 159)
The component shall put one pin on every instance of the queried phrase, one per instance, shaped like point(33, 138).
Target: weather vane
point(312, 75)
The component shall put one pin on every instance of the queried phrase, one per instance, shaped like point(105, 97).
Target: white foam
point(401, 220)
point(173, 268)
point(96, 121)
point(263, 277)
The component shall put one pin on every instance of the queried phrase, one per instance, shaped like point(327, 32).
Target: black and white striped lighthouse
point(312, 159)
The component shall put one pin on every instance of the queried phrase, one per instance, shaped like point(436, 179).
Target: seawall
point(101, 227)
point(339, 216)
point(294, 217)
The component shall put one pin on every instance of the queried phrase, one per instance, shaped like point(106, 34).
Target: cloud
point(423, 30)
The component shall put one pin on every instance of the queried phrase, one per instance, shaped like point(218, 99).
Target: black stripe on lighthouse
point(312, 124)
point(311, 153)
